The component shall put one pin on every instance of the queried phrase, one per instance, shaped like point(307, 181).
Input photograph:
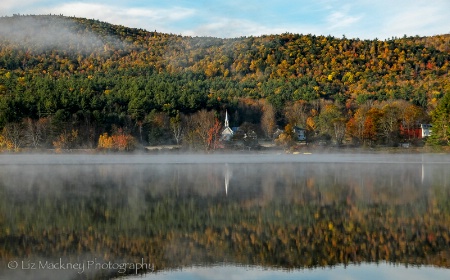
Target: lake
point(265, 216)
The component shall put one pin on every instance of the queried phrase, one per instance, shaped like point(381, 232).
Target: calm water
point(201, 217)
point(382, 271)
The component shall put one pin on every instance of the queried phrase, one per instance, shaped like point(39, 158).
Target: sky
point(363, 19)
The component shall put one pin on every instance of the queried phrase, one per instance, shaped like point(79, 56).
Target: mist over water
point(269, 210)
point(36, 159)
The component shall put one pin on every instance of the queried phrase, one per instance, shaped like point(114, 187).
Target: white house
point(426, 129)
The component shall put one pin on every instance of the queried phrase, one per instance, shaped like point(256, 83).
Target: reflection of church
point(227, 176)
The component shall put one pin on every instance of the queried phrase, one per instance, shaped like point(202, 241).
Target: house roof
point(227, 131)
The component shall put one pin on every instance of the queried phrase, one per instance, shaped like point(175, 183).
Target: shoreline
point(262, 149)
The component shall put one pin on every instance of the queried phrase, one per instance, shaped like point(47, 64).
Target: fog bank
point(36, 159)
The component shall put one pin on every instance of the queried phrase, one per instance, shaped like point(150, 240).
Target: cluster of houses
point(237, 138)
point(233, 137)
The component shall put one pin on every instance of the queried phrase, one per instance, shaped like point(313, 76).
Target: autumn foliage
point(97, 75)
point(119, 141)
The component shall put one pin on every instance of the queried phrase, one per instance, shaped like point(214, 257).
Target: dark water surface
point(267, 216)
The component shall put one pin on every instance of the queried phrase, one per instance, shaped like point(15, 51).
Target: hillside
point(93, 77)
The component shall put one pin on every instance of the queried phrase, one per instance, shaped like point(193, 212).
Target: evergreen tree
point(441, 122)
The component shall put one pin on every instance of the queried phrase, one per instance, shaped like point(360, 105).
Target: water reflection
point(291, 214)
point(382, 271)
point(227, 175)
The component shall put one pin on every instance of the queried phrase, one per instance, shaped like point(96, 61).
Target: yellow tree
point(355, 126)
point(268, 119)
point(105, 141)
point(310, 124)
point(287, 138)
point(119, 141)
point(13, 134)
point(5, 144)
point(411, 115)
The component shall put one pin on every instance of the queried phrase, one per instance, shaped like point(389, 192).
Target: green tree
point(441, 122)
point(176, 127)
point(332, 123)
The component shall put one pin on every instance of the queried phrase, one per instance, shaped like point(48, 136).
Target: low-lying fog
point(7, 159)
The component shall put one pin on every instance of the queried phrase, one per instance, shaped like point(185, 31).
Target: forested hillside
point(68, 82)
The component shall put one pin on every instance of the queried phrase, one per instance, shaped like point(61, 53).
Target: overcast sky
point(364, 19)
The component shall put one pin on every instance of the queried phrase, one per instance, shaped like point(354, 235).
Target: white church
point(227, 133)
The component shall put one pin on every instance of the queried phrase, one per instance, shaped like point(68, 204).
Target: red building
point(416, 132)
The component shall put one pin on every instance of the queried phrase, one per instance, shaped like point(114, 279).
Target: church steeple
point(226, 119)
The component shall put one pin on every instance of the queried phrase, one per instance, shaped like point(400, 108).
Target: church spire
point(226, 118)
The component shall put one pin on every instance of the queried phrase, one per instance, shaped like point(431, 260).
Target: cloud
point(233, 18)
point(418, 19)
point(236, 27)
point(14, 6)
point(174, 14)
point(232, 27)
point(384, 19)
point(339, 19)
point(148, 18)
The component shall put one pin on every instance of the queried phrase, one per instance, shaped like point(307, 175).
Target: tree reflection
point(286, 215)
